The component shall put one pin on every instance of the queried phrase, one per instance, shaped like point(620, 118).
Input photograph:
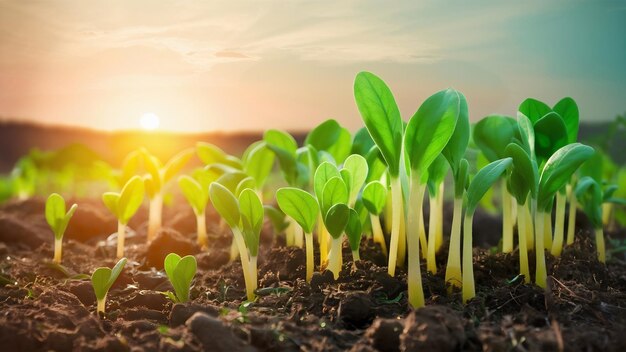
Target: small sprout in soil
point(58, 220)
point(374, 197)
point(354, 231)
point(590, 197)
point(324, 172)
point(336, 220)
point(102, 279)
point(180, 272)
point(196, 191)
point(124, 205)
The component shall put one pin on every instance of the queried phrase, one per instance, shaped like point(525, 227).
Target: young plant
point(335, 192)
point(196, 191)
point(427, 134)
point(374, 197)
point(382, 119)
point(158, 176)
point(436, 174)
point(180, 272)
point(303, 208)
point(356, 166)
point(124, 205)
point(244, 215)
point(331, 138)
point(102, 279)
point(354, 232)
point(483, 180)
point(324, 172)
point(58, 220)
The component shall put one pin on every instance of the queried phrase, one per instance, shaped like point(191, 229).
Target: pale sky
point(232, 65)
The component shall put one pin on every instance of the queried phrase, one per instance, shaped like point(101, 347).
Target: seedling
point(436, 174)
point(374, 198)
point(303, 208)
point(324, 172)
point(354, 232)
point(124, 205)
point(102, 279)
point(58, 220)
point(196, 191)
point(336, 220)
point(180, 272)
point(331, 138)
point(483, 180)
point(158, 176)
point(356, 166)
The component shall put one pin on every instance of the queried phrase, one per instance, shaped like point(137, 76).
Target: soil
point(48, 307)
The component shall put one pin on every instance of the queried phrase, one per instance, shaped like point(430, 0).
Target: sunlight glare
point(149, 121)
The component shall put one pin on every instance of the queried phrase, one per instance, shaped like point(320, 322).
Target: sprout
point(155, 181)
point(258, 161)
point(354, 231)
point(336, 220)
point(180, 272)
point(303, 208)
point(334, 192)
point(58, 220)
point(483, 180)
point(436, 174)
point(324, 172)
point(330, 137)
point(124, 205)
point(102, 279)
point(356, 167)
point(245, 218)
point(374, 197)
point(196, 191)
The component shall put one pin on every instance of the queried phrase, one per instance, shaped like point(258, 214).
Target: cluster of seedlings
point(340, 187)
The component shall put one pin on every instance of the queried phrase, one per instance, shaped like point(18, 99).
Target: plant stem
point(540, 271)
point(234, 251)
point(547, 230)
point(396, 205)
point(530, 229)
point(289, 232)
point(507, 222)
point(322, 238)
point(414, 275)
point(439, 224)
point(402, 238)
point(571, 221)
point(334, 258)
point(298, 234)
point(154, 216)
point(559, 224)
point(377, 233)
point(101, 304)
point(522, 232)
point(355, 258)
point(254, 275)
point(310, 264)
point(202, 235)
point(599, 232)
point(58, 249)
point(121, 236)
point(431, 263)
point(245, 264)
point(468, 289)
point(607, 210)
point(453, 268)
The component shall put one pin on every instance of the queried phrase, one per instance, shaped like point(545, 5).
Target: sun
point(149, 121)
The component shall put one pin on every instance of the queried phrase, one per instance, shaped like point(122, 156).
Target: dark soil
point(46, 307)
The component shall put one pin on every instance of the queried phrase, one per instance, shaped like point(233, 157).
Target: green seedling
point(374, 197)
point(427, 134)
point(382, 119)
point(124, 205)
point(484, 179)
point(334, 192)
point(58, 220)
point(330, 137)
point(244, 215)
point(158, 177)
point(436, 175)
point(180, 272)
point(102, 279)
point(258, 161)
point(196, 191)
point(354, 232)
point(303, 208)
point(211, 154)
point(356, 166)
point(336, 220)
point(324, 172)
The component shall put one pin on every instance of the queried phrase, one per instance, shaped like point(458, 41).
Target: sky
point(253, 65)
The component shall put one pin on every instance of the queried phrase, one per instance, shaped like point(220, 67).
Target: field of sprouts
point(425, 233)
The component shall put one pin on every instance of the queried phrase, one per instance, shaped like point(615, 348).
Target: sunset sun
point(149, 121)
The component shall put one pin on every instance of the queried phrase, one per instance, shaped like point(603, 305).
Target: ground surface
point(46, 307)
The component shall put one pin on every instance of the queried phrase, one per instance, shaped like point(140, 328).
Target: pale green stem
point(414, 275)
point(58, 249)
point(453, 268)
point(121, 236)
point(322, 238)
point(541, 274)
point(254, 274)
point(402, 238)
point(559, 224)
point(431, 262)
point(468, 290)
point(334, 258)
point(522, 231)
point(202, 235)
point(388, 213)
point(289, 232)
point(507, 222)
point(547, 231)
point(530, 228)
point(298, 234)
point(154, 215)
point(310, 264)
point(607, 210)
point(513, 211)
point(599, 232)
point(245, 264)
point(101, 304)
point(571, 221)
point(377, 232)
point(439, 224)
point(234, 251)
point(355, 258)
point(396, 204)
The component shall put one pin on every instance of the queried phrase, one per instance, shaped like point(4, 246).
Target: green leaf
point(332, 138)
point(437, 173)
point(225, 203)
point(299, 205)
point(246, 183)
point(568, 110)
point(589, 195)
point(357, 166)
point(194, 193)
point(381, 117)
point(347, 179)
point(534, 109)
point(288, 163)
point(130, 199)
point(281, 139)
point(251, 210)
point(111, 199)
point(550, 136)
point(336, 219)
point(180, 272)
point(524, 176)
point(325, 171)
point(212, 154)
point(153, 166)
point(493, 133)
point(483, 181)
point(558, 170)
point(176, 163)
point(354, 230)
point(55, 211)
point(527, 134)
point(103, 278)
point(454, 151)
point(231, 180)
point(277, 218)
point(374, 197)
point(362, 142)
point(258, 163)
point(335, 191)
point(430, 129)
point(460, 180)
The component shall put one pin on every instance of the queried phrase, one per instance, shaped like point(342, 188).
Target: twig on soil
point(557, 334)
point(571, 293)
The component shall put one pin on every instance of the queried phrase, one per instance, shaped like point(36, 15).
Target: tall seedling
point(58, 220)
point(124, 205)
